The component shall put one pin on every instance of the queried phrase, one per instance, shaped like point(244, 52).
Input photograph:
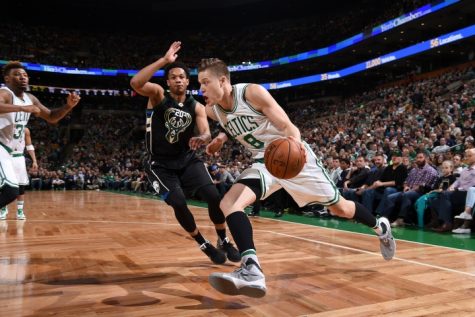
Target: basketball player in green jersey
point(20, 142)
point(248, 113)
point(16, 105)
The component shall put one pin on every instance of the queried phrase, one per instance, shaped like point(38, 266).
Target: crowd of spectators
point(80, 48)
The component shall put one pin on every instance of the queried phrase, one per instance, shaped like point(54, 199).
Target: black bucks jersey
point(169, 127)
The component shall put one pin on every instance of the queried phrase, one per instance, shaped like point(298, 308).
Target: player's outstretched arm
point(140, 82)
point(6, 105)
point(54, 115)
point(204, 135)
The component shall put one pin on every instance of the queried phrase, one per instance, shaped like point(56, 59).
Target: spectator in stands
point(235, 173)
point(468, 213)
point(442, 184)
point(335, 169)
point(420, 180)
point(225, 180)
point(442, 147)
point(345, 170)
point(389, 182)
point(356, 177)
point(453, 201)
point(57, 182)
point(373, 176)
point(458, 165)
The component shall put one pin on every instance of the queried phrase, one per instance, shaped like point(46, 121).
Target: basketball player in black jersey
point(173, 168)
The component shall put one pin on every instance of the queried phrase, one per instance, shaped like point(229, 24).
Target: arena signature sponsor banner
point(378, 61)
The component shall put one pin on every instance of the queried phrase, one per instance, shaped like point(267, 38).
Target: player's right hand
point(31, 109)
point(302, 147)
point(171, 55)
point(214, 146)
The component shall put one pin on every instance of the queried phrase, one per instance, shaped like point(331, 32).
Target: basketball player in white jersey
point(20, 142)
point(248, 113)
point(16, 105)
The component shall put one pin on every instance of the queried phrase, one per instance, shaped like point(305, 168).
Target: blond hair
point(215, 65)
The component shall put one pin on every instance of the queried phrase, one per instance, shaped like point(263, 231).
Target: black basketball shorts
point(190, 178)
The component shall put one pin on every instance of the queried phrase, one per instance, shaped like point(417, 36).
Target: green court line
point(457, 241)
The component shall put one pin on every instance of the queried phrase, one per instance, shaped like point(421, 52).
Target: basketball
point(284, 159)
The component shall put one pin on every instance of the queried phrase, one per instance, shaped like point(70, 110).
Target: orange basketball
point(284, 158)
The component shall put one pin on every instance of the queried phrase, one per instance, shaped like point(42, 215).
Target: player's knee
point(176, 199)
point(341, 209)
point(21, 190)
point(209, 193)
point(9, 193)
point(216, 214)
point(228, 206)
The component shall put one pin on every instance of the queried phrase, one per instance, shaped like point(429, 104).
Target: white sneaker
point(247, 280)
point(387, 244)
point(463, 215)
point(462, 230)
point(3, 213)
point(20, 215)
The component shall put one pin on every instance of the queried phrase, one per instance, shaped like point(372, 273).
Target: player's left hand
point(34, 167)
point(214, 147)
point(72, 100)
point(302, 147)
point(197, 141)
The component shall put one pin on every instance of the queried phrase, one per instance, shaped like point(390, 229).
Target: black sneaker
point(228, 248)
point(278, 214)
point(253, 214)
point(214, 254)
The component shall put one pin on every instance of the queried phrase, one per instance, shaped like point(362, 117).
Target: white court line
point(368, 234)
point(268, 231)
point(323, 227)
point(373, 253)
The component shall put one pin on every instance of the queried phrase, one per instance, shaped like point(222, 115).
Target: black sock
point(241, 230)
point(221, 233)
point(199, 238)
point(364, 216)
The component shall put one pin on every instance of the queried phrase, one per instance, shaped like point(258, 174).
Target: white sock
point(250, 254)
point(19, 205)
point(378, 229)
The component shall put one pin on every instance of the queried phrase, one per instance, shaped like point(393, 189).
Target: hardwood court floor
point(105, 254)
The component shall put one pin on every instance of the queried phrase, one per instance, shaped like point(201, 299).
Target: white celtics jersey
point(18, 142)
point(247, 125)
point(12, 124)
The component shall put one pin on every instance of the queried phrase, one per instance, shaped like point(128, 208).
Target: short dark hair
point(347, 161)
point(177, 65)
point(12, 65)
point(217, 66)
point(426, 155)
